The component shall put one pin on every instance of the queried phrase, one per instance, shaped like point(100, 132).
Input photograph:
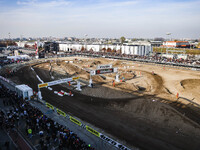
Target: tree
point(122, 39)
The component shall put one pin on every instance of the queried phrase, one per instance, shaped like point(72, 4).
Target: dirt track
point(140, 118)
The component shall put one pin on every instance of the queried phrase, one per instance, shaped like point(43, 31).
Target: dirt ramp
point(98, 79)
point(191, 84)
point(70, 68)
point(191, 89)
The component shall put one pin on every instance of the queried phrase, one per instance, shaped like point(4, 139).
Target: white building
point(141, 50)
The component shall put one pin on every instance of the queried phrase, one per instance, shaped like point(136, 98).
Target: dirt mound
point(127, 76)
point(190, 88)
point(96, 63)
point(98, 79)
point(191, 84)
point(155, 81)
point(105, 92)
point(156, 112)
point(70, 68)
point(116, 63)
point(130, 87)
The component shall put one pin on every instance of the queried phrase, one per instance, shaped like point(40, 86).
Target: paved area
point(4, 137)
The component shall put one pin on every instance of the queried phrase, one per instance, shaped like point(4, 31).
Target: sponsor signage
point(92, 72)
point(104, 66)
point(59, 81)
point(92, 131)
point(72, 119)
point(42, 85)
point(50, 106)
point(75, 78)
point(103, 71)
point(113, 142)
point(60, 112)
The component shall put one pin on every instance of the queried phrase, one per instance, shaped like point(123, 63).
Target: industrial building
point(141, 50)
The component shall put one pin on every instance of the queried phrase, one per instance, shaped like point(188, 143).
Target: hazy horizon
point(100, 18)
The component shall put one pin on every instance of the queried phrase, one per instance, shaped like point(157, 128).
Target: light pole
point(85, 41)
point(166, 42)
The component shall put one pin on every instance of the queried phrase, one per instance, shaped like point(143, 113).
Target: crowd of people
point(153, 58)
point(51, 134)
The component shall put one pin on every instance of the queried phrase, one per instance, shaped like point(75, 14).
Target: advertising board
point(104, 66)
point(103, 71)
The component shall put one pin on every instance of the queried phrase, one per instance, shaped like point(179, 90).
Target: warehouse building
point(141, 50)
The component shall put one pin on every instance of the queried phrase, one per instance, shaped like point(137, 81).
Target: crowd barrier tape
point(60, 112)
point(92, 131)
point(72, 119)
point(50, 106)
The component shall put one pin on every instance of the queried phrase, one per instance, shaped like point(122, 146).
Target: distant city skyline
point(100, 18)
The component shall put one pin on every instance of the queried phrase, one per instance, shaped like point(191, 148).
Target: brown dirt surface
point(143, 111)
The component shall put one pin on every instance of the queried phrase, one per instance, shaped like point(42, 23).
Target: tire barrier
point(86, 127)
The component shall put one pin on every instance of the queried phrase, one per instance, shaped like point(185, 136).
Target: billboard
point(104, 66)
point(103, 71)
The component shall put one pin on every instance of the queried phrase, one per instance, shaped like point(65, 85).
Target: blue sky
point(100, 18)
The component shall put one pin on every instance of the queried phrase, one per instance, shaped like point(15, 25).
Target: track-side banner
point(72, 119)
point(59, 81)
point(60, 112)
point(113, 142)
point(56, 82)
point(108, 66)
point(75, 78)
point(92, 131)
point(42, 85)
point(103, 71)
point(50, 106)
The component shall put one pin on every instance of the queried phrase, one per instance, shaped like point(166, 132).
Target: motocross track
point(142, 111)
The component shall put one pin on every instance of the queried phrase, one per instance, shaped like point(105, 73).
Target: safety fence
point(86, 127)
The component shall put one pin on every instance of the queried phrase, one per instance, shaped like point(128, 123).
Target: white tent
point(23, 57)
point(24, 90)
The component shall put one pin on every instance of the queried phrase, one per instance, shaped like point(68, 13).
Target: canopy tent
point(24, 90)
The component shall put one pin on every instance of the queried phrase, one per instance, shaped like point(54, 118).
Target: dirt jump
point(142, 109)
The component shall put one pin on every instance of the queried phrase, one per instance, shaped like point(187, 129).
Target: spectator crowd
point(51, 134)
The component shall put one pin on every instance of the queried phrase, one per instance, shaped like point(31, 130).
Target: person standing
point(30, 133)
